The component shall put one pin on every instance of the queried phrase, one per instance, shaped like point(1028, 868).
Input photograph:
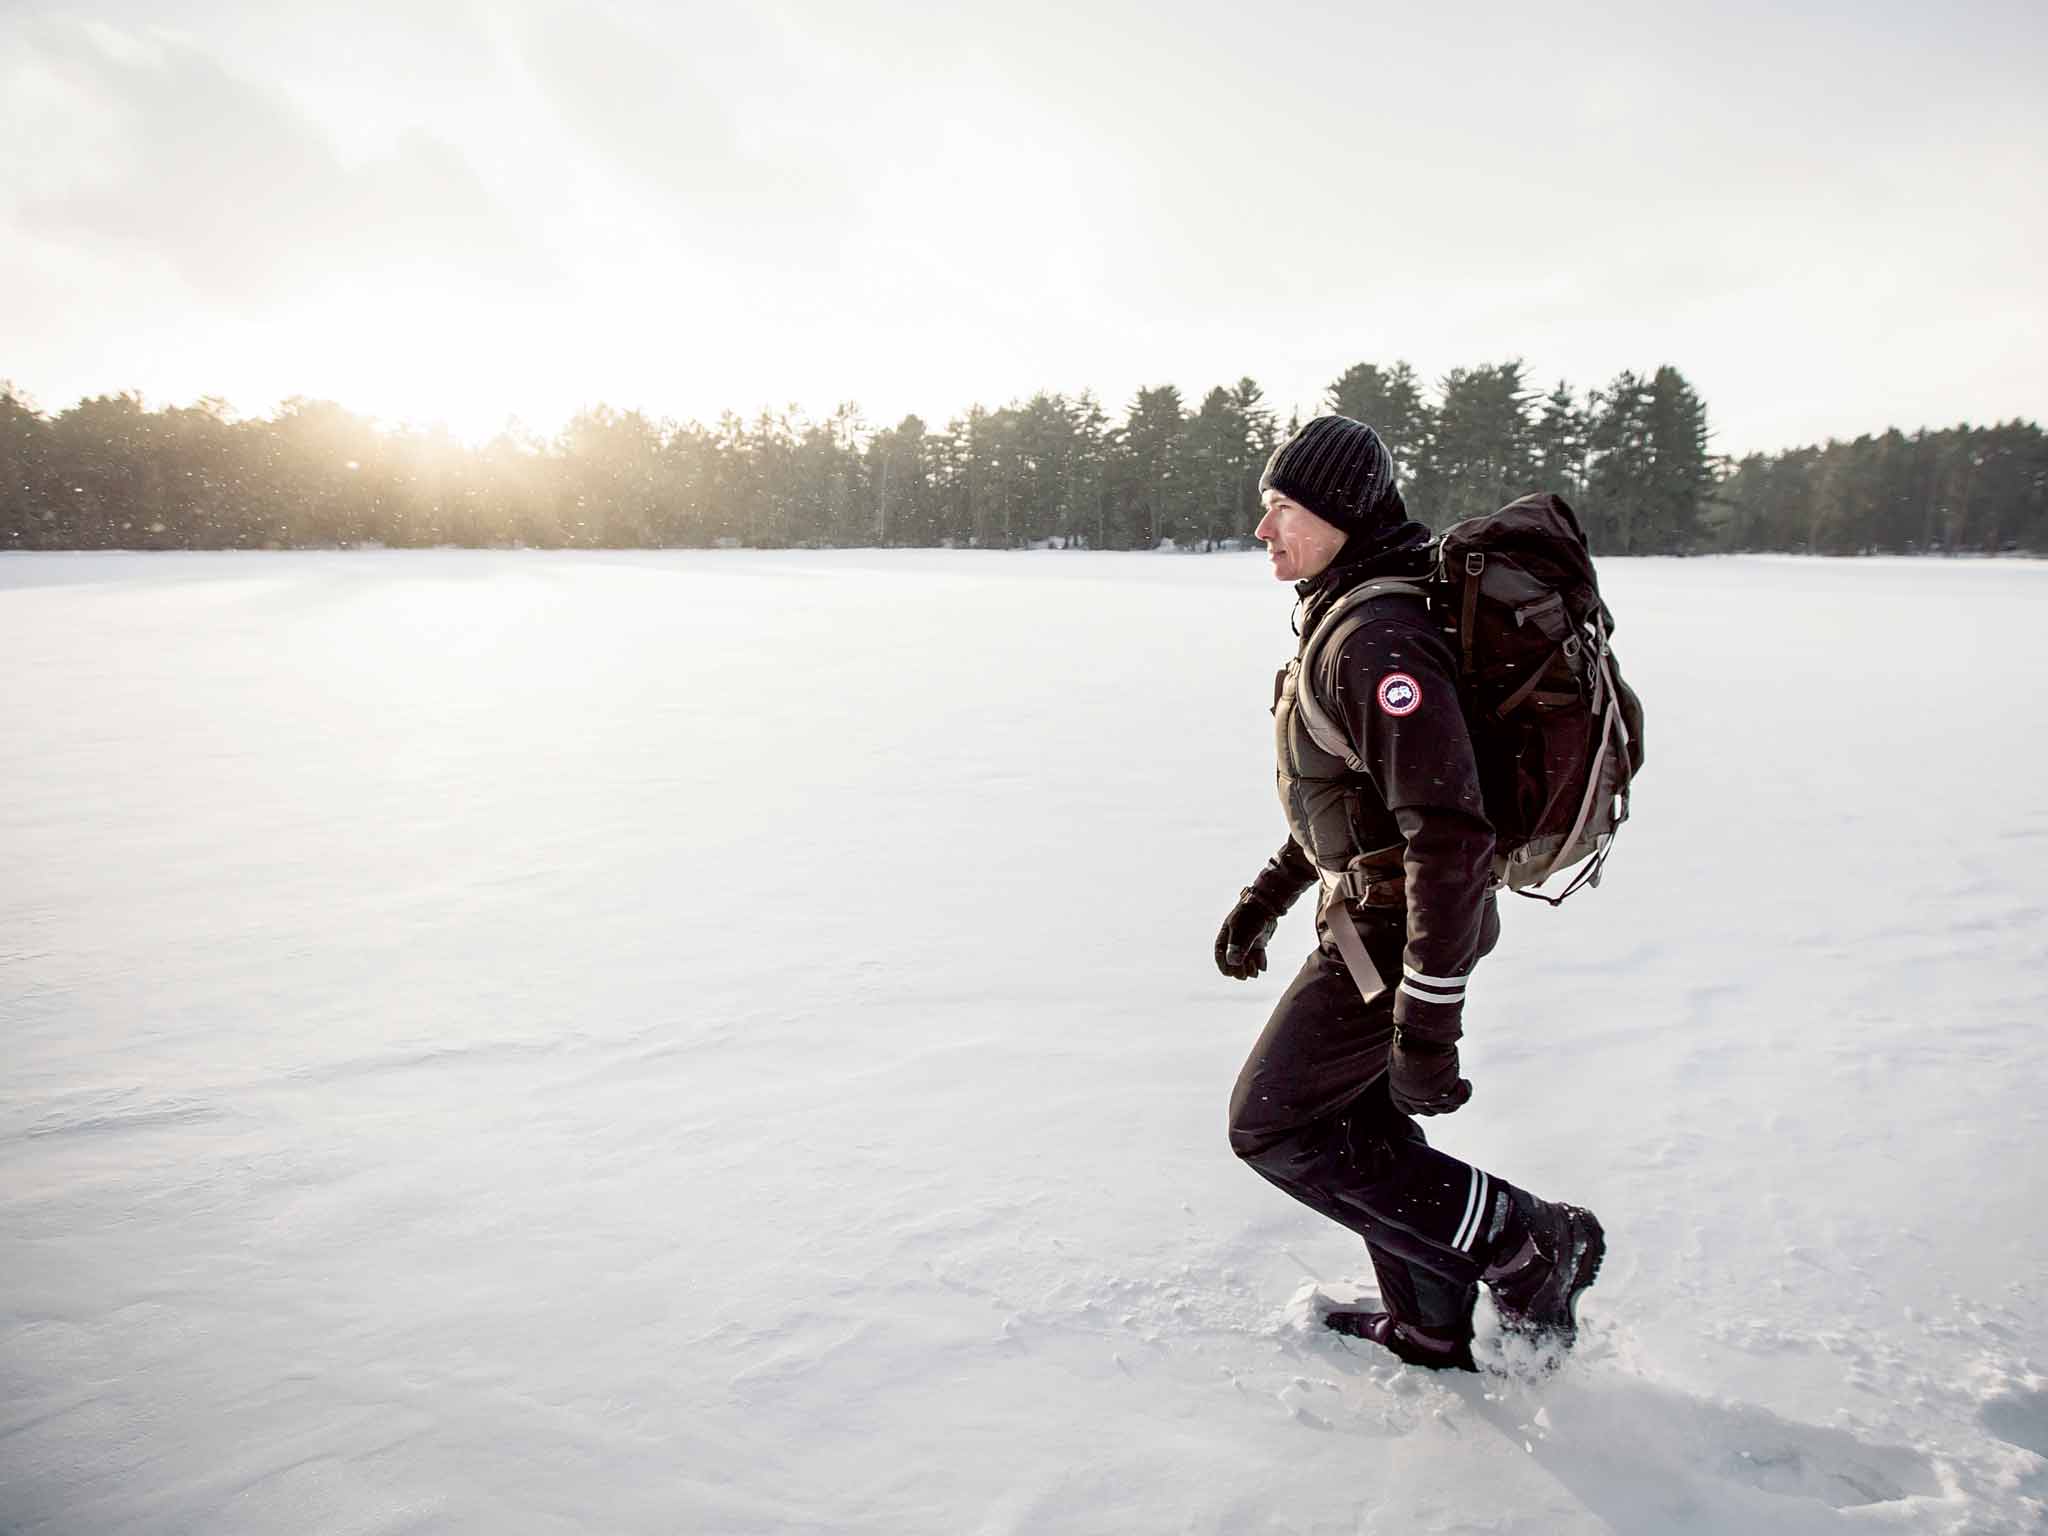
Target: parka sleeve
point(1394, 685)
point(1286, 875)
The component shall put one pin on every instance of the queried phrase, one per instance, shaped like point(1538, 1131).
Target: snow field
point(662, 1042)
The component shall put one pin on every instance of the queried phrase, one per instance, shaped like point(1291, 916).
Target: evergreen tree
point(1677, 476)
point(1217, 448)
point(731, 512)
point(1045, 444)
point(25, 484)
point(906, 506)
point(1088, 487)
point(1619, 461)
point(1160, 489)
point(1558, 444)
point(1484, 445)
point(1261, 437)
point(611, 463)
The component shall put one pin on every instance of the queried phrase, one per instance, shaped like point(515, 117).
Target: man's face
point(1299, 543)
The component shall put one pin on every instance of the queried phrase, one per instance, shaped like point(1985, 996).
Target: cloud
point(145, 147)
point(727, 122)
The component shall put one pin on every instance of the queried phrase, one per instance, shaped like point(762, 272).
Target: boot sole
point(1585, 1274)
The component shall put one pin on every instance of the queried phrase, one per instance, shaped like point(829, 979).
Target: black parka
point(1392, 687)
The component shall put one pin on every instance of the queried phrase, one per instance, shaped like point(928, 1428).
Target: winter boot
point(1415, 1345)
point(1536, 1289)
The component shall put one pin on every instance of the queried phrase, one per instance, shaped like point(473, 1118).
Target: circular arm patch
point(1400, 694)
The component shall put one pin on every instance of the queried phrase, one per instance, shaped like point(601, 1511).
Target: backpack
point(1557, 734)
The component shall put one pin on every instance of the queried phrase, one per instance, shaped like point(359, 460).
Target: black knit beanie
point(1341, 471)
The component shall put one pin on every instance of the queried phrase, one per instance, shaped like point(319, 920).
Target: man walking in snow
point(1397, 839)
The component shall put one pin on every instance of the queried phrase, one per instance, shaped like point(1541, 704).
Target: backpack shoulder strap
point(1346, 617)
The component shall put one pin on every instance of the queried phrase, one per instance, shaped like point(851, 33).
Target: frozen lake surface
point(519, 1042)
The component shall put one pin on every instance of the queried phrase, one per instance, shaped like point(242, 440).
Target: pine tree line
point(1632, 457)
point(1963, 489)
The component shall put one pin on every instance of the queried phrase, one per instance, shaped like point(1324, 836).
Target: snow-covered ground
point(516, 1042)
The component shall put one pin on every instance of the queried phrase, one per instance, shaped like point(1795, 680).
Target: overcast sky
point(1832, 217)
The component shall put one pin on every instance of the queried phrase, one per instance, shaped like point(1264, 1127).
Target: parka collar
point(1406, 549)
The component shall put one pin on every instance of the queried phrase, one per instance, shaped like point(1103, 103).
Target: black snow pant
point(1311, 1113)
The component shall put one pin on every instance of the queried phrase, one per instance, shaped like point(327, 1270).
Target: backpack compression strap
point(1613, 735)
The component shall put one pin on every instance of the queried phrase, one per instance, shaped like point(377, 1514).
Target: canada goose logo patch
point(1400, 694)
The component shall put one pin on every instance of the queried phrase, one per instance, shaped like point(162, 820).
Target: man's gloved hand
point(1241, 945)
point(1422, 1076)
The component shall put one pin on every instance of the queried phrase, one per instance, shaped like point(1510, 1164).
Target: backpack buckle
point(1475, 562)
point(1571, 647)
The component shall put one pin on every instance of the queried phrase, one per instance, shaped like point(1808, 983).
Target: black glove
point(1241, 945)
point(1422, 1076)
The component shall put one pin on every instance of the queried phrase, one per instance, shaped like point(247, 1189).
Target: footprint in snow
point(2018, 1416)
point(1647, 1457)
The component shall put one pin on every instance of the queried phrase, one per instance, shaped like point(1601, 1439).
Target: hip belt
point(1374, 880)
